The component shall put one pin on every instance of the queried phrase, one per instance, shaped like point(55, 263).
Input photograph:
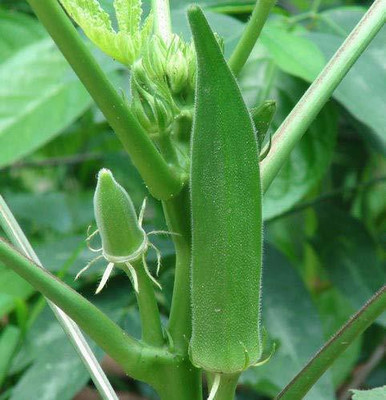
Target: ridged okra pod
point(116, 218)
point(124, 242)
point(226, 216)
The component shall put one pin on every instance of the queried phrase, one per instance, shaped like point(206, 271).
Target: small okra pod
point(226, 216)
point(117, 221)
point(123, 239)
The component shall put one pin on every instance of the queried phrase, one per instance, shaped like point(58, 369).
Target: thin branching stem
point(316, 367)
point(250, 35)
point(162, 20)
point(148, 309)
point(308, 107)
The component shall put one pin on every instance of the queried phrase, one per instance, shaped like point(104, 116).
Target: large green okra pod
point(226, 216)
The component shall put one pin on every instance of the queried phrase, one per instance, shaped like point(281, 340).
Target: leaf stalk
point(250, 35)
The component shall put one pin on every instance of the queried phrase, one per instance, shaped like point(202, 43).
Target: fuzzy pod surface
point(116, 218)
point(226, 216)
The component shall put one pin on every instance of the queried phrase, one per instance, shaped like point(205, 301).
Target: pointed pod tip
point(104, 173)
point(194, 11)
point(106, 177)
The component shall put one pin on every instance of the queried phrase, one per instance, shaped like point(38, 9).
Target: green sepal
point(116, 219)
point(226, 215)
point(262, 117)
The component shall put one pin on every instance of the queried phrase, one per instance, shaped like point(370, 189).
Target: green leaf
point(374, 394)
point(226, 27)
point(51, 368)
point(36, 85)
point(59, 212)
point(12, 288)
point(55, 371)
point(349, 254)
point(292, 53)
point(322, 360)
point(124, 45)
point(361, 91)
point(17, 30)
point(9, 340)
point(291, 320)
point(128, 13)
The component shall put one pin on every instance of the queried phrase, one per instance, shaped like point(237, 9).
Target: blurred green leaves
point(292, 322)
point(349, 254)
point(375, 394)
point(39, 94)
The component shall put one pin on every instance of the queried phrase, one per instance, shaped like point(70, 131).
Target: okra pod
point(226, 216)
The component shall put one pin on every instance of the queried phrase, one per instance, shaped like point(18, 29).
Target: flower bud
point(116, 218)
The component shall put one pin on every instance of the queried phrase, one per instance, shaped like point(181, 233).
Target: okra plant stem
point(250, 35)
point(162, 21)
point(137, 359)
point(148, 309)
point(177, 212)
point(227, 385)
point(162, 181)
point(308, 107)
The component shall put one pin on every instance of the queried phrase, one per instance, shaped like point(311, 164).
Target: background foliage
point(325, 213)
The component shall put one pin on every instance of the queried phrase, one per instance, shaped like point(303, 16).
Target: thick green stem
point(315, 368)
point(250, 35)
point(177, 213)
point(136, 358)
point(305, 111)
point(148, 309)
point(223, 386)
point(162, 22)
point(181, 382)
point(163, 182)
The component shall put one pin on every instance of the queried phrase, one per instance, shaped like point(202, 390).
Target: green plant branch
point(250, 35)
point(148, 309)
point(137, 359)
point(177, 213)
point(316, 367)
point(19, 240)
point(308, 107)
point(162, 181)
point(162, 21)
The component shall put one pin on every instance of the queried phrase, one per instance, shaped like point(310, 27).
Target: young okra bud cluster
point(162, 83)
